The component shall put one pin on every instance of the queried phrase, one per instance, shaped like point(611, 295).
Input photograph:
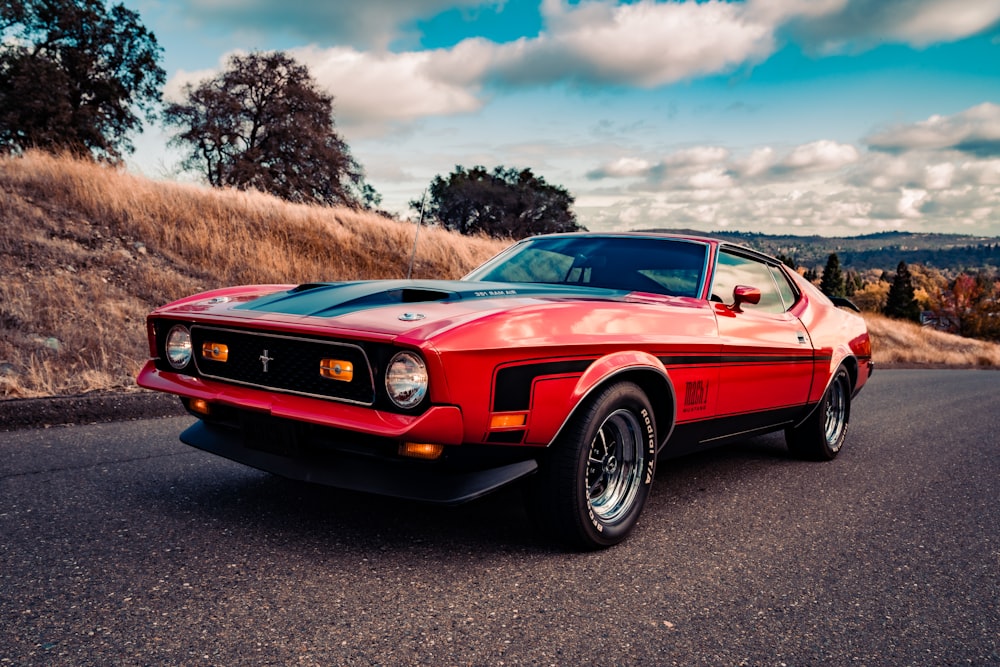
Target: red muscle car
point(572, 361)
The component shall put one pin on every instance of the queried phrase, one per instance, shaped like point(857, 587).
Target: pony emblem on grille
point(265, 359)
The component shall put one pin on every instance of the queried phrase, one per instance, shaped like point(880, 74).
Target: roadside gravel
point(23, 413)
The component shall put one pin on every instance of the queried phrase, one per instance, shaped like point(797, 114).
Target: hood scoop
point(333, 299)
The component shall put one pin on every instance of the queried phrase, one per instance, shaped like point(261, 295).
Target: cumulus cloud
point(371, 88)
point(975, 131)
point(817, 156)
point(622, 167)
point(643, 44)
point(850, 25)
point(820, 187)
point(367, 24)
point(376, 87)
point(713, 167)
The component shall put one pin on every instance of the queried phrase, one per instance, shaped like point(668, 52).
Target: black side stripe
point(512, 387)
point(744, 359)
point(513, 384)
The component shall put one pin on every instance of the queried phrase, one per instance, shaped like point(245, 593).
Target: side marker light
point(420, 450)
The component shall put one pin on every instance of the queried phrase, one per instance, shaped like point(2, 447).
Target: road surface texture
point(120, 545)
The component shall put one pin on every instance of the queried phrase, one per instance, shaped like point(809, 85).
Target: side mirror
point(744, 294)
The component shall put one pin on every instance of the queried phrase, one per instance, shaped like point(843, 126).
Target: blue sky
point(832, 117)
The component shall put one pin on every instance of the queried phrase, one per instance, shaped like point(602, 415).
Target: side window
point(732, 270)
point(784, 288)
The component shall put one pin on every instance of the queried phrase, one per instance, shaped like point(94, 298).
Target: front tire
point(821, 436)
point(591, 488)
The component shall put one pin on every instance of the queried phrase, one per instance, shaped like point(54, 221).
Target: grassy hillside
point(86, 251)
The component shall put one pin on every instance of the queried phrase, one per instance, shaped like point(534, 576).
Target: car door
point(767, 358)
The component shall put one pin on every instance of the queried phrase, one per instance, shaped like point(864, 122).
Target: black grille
point(284, 363)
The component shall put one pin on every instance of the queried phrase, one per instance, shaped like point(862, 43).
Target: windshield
point(632, 264)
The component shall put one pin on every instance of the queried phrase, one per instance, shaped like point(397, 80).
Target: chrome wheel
point(594, 480)
point(836, 414)
point(614, 466)
point(821, 436)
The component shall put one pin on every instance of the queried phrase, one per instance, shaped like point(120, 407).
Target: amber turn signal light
point(215, 351)
point(199, 405)
point(420, 450)
point(335, 369)
point(509, 420)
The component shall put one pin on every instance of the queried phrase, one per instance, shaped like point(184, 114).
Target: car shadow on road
point(221, 492)
point(239, 499)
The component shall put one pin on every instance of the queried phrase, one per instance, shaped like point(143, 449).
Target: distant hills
point(883, 250)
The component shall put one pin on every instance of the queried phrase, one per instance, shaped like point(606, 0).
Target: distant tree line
point(967, 304)
point(960, 258)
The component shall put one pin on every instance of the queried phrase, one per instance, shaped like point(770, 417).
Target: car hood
point(386, 307)
point(331, 300)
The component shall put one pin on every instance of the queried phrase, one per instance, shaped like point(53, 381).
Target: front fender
point(555, 407)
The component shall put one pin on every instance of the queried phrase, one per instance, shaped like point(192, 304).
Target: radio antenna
point(420, 222)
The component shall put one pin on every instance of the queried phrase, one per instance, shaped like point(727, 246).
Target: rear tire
point(821, 436)
point(594, 481)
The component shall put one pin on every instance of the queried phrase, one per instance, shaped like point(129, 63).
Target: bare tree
point(263, 123)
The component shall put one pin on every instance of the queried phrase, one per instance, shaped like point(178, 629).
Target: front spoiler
point(358, 473)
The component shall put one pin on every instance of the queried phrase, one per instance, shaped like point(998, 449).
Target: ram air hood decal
point(333, 299)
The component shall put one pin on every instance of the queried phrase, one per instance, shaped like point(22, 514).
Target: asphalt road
point(119, 545)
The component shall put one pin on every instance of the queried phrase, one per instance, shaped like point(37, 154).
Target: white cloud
point(696, 156)
point(823, 187)
point(371, 88)
point(821, 155)
point(975, 130)
point(363, 24)
point(643, 44)
point(711, 179)
point(910, 202)
point(939, 176)
point(945, 20)
point(852, 25)
point(622, 167)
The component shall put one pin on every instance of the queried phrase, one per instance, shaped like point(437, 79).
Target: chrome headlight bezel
point(177, 347)
point(406, 379)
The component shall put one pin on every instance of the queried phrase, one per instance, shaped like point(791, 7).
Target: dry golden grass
point(901, 343)
point(86, 251)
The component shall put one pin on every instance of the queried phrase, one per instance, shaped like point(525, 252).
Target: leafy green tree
point(73, 74)
point(264, 123)
point(503, 203)
point(901, 302)
point(832, 283)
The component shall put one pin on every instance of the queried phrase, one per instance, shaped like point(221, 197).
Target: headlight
point(178, 347)
point(406, 379)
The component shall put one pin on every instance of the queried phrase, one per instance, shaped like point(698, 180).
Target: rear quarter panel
point(839, 336)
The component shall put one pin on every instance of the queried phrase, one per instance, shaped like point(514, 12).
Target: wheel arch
point(640, 368)
point(850, 364)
